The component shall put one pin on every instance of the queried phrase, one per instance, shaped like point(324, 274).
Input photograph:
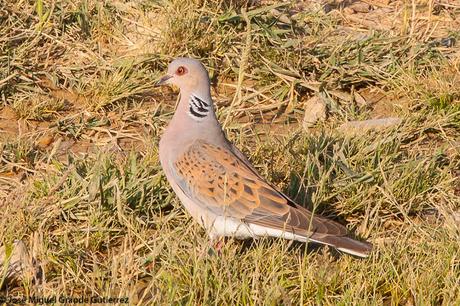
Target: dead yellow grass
point(81, 186)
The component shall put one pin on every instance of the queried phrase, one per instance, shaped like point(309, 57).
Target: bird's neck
point(194, 115)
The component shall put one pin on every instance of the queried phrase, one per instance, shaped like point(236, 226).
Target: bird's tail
point(348, 245)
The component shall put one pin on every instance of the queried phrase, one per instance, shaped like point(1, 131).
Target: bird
point(218, 185)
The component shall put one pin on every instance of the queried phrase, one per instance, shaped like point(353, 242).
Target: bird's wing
point(219, 180)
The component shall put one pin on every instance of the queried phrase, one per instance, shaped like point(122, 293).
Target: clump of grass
point(104, 186)
point(125, 81)
point(37, 106)
point(20, 154)
point(436, 87)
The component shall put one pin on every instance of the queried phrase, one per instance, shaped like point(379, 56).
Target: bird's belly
point(216, 226)
point(224, 226)
point(230, 227)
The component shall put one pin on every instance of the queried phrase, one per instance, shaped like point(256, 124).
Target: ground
point(80, 120)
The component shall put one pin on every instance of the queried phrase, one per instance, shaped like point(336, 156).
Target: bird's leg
point(217, 243)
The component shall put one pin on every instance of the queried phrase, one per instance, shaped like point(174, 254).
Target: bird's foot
point(217, 245)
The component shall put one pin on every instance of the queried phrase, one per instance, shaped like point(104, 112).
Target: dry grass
point(81, 185)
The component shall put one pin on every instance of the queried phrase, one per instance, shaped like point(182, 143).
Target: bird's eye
point(181, 70)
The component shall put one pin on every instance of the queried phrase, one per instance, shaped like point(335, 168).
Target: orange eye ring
point(181, 70)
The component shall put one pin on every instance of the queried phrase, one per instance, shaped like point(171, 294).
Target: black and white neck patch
point(198, 108)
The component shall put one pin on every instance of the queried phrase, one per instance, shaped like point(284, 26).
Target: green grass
point(80, 121)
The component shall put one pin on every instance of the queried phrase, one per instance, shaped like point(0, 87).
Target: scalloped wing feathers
point(220, 181)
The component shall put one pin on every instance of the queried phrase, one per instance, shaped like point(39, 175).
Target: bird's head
point(185, 73)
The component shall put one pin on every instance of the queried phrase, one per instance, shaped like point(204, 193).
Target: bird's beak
point(163, 80)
